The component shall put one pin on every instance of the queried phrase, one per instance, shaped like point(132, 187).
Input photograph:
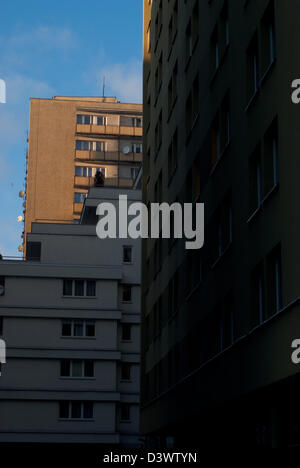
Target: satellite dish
point(2, 290)
point(21, 193)
point(126, 150)
point(20, 219)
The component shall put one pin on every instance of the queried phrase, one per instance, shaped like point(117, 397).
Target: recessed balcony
point(107, 156)
point(109, 130)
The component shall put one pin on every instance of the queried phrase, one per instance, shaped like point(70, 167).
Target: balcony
point(87, 182)
point(108, 156)
point(109, 130)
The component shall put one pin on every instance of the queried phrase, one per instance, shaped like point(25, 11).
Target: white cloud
point(43, 36)
point(124, 80)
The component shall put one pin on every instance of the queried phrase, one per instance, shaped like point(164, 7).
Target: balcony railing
point(108, 156)
point(87, 182)
point(109, 130)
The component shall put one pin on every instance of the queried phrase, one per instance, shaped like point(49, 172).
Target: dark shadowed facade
point(220, 128)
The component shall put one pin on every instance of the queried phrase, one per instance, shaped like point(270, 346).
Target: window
point(195, 23)
point(220, 131)
point(76, 410)
point(137, 148)
point(90, 119)
point(78, 328)
point(158, 75)
point(173, 295)
point(267, 38)
point(158, 133)
point(274, 301)
point(84, 119)
point(158, 189)
point(1, 326)
point(125, 412)
point(2, 285)
point(173, 155)
point(227, 325)
point(215, 141)
point(79, 288)
point(225, 122)
point(172, 89)
point(125, 371)
point(270, 158)
point(33, 251)
point(77, 368)
point(87, 145)
point(79, 197)
point(134, 172)
point(126, 332)
point(192, 106)
point(99, 146)
point(83, 171)
point(215, 50)
point(173, 23)
point(158, 21)
point(149, 37)
point(257, 291)
point(126, 293)
point(252, 69)
point(127, 254)
point(222, 227)
point(255, 179)
point(101, 120)
point(224, 23)
point(188, 42)
point(136, 122)
point(83, 145)
point(194, 269)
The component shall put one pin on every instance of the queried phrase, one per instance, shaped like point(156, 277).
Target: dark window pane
point(126, 293)
point(65, 368)
point(91, 288)
point(127, 251)
point(79, 288)
point(125, 371)
point(78, 328)
point(89, 368)
point(67, 291)
point(66, 328)
point(79, 171)
point(77, 368)
point(126, 332)
point(87, 410)
point(86, 119)
point(64, 409)
point(90, 328)
point(76, 409)
point(33, 251)
point(1, 326)
point(125, 412)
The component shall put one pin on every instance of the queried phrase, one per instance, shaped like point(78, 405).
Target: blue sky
point(61, 47)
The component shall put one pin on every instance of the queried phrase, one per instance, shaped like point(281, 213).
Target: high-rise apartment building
point(70, 319)
point(70, 139)
point(220, 128)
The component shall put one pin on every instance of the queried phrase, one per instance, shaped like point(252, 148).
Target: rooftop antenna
point(103, 90)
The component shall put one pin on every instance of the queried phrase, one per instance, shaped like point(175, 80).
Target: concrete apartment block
point(70, 318)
